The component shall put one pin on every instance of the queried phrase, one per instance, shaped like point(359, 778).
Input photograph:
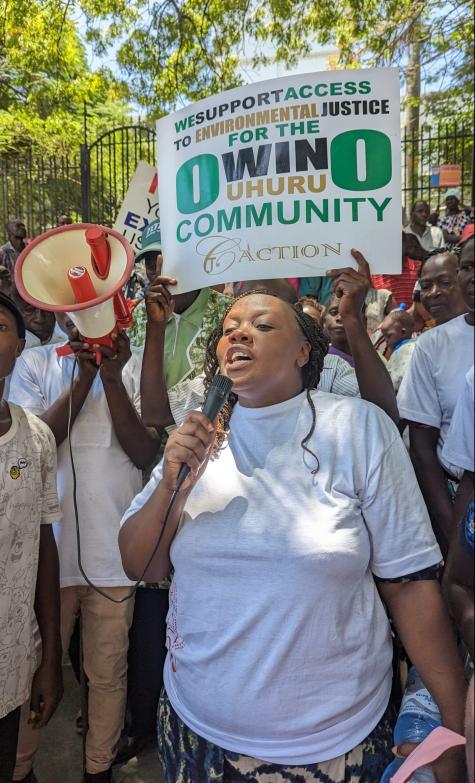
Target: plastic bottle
point(418, 716)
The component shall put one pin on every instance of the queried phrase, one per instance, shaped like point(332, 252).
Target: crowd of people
point(321, 543)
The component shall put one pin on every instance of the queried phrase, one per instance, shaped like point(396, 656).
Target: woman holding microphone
point(300, 516)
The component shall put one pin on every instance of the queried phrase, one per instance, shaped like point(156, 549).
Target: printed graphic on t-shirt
point(27, 498)
point(174, 640)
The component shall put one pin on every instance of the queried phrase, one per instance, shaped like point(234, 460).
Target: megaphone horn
point(79, 269)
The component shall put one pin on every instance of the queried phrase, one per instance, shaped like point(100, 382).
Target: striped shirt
point(401, 286)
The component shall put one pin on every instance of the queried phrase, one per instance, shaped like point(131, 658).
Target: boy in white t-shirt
point(428, 395)
point(110, 446)
point(29, 584)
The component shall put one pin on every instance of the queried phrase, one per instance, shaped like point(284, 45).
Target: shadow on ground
point(59, 759)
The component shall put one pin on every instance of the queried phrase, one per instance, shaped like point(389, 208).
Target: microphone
point(215, 401)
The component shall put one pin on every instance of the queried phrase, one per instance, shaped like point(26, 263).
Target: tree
point(177, 52)
point(45, 80)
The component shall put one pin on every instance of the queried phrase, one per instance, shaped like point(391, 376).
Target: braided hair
point(311, 371)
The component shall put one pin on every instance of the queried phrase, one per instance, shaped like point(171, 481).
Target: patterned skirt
point(188, 758)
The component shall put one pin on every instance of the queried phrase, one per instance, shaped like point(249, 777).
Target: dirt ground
point(59, 759)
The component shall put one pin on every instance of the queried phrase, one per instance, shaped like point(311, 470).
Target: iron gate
point(107, 166)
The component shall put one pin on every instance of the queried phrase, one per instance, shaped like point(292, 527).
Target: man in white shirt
point(429, 393)
point(110, 448)
point(430, 237)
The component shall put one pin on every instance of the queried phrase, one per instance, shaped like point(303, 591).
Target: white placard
point(140, 205)
point(282, 178)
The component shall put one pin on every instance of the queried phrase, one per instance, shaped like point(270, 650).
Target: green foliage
point(172, 52)
point(179, 51)
point(45, 80)
point(175, 52)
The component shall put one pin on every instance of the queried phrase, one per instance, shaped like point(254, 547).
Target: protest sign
point(282, 178)
point(140, 205)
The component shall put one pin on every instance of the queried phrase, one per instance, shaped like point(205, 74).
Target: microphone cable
point(171, 503)
point(216, 398)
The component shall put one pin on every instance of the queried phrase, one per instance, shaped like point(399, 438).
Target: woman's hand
point(190, 444)
point(158, 299)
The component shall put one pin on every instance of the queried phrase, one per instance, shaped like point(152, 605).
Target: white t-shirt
point(435, 376)
point(278, 643)
point(431, 239)
point(28, 500)
point(338, 377)
point(459, 443)
point(107, 479)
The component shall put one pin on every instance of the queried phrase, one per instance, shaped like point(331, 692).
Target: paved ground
point(59, 759)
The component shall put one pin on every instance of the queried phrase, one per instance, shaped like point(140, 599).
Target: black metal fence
point(430, 147)
point(108, 165)
point(91, 185)
point(38, 190)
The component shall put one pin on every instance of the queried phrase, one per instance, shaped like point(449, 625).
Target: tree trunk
point(412, 108)
point(413, 77)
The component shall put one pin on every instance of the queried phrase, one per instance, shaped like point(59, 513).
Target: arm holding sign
point(375, 383)
point(159, 303)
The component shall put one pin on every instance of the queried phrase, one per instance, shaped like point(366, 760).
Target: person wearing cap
point(30, 681)
point(430, 237)
point(456, 218)
point(187, 329)
point(9, 252)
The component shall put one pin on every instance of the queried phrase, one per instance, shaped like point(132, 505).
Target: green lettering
point(280, 213)
point(203, 232)
point(291, 93)
point(227, 223)
point(257, 218)
point(343, 160)
point(180, 125)
point(305, 91)
point(178, 231)
point(311, 208)
point(380, 207)
point(208, 178)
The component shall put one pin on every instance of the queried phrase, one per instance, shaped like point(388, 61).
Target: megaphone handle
point(122, 311)
point(64, 350)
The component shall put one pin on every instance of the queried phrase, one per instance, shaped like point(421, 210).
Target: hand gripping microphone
point(216, 398)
